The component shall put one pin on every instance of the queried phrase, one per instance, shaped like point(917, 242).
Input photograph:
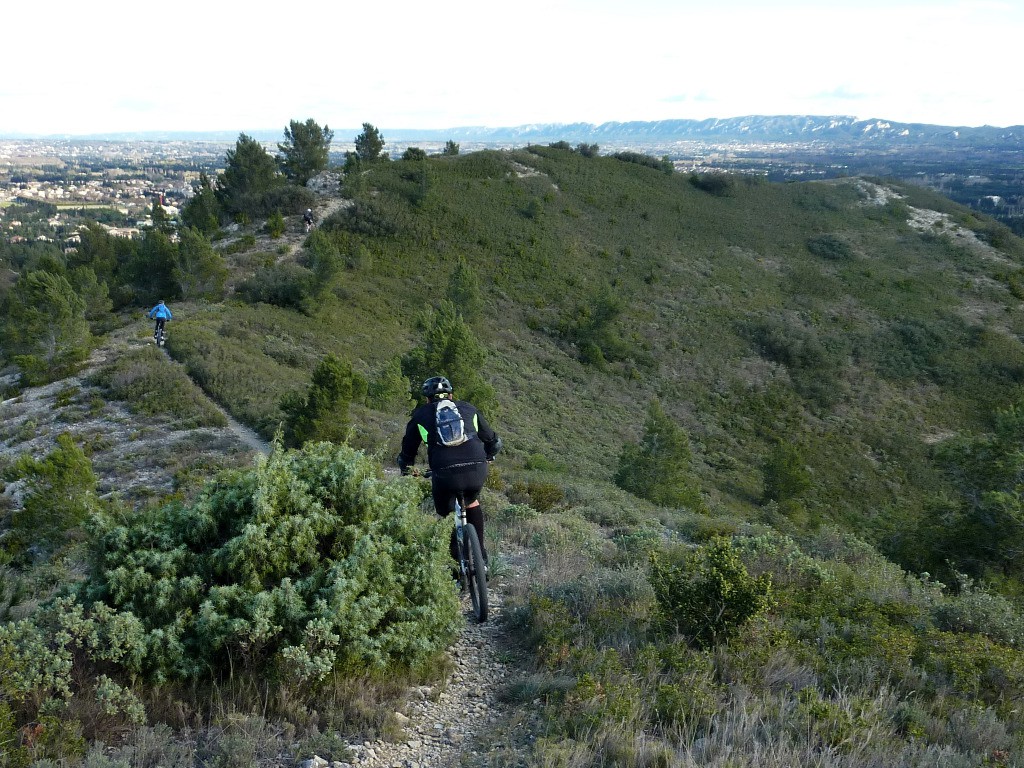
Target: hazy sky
point(73, 66)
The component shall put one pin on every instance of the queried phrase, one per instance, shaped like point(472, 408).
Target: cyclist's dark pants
point(467, 479)
point(160, 322)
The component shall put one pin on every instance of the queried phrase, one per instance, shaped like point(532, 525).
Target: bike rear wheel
point(476, 574)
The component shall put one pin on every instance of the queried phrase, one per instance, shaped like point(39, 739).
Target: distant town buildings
point(122, 177)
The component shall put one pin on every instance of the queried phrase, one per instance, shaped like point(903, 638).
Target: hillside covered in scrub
point(763, 445)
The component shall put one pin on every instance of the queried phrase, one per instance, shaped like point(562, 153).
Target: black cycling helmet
point(436, 386)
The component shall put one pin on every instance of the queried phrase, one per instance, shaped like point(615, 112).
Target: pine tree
point(321, 413)
point(464, 291)
point(305, 150)
point(449, 349)
point(369, 144)
point(199, 270)
point(659, 467)
point(45, 330)
point(249, 173)
point(202, 212)
point(150, 270)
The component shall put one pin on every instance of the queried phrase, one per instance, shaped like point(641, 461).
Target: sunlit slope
point(860, 322)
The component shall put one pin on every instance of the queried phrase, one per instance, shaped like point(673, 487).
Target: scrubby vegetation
point(765, 440)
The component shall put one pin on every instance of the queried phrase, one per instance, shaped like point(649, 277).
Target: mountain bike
point(160, 335)
point(472, 568)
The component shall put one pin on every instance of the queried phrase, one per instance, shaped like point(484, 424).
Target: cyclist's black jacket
point(481, 446)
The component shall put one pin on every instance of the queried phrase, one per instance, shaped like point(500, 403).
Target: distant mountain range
point(833, 129)
point(777, 128)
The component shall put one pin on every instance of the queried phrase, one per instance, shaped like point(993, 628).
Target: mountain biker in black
point(307, 217)
point(454, 467)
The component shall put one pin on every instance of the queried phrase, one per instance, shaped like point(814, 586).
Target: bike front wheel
point(476, 574)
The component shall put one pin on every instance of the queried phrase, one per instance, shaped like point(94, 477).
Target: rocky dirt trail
point(462, 721)
point(132, 455)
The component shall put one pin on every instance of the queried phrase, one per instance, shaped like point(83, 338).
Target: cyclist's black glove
point(405, 468)
point(496, 449)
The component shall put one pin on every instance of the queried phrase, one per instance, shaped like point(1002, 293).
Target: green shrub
point(275, 225)
point(288, 199)
point(363, 217)
point(975, 609)
point(60, 494)
point(663, 165)
point(829, 247)
point(245, 242)
point(785, 474)
point(154, 386)
point(541, 496)
point(710, 595)
point(322, 412)
point(304, 565)
point(813, 367)
point(284, 285)
point(717, 184)
point(659, 467)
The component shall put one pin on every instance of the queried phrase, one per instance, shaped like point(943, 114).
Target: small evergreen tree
point(60, 494)
point(150, 269)
point(158, 215)
point(45, 330)
point(369, 145)
point(464, 291)
point(305, 150)
point(449, 348)
point(98, 251)
point(321, 413)
point(985, 534)
point(275, 225)
point(659, 467)
point(92, 292)
point(199, 270)
point(414, 153)
point(389, 391)
point(325, 261)
point(202, 212)
point(250, 172)
point(450, 148)
point(785, 474)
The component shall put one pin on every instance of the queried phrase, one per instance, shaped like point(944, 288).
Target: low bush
point(363, 217)
point(829, 247)
point(283, 285)
point(154, 386)
point(244, 243)
point(301, 570)
point(60, 493)
point(664, 165)
point(287, 199)
point(717, 184)
point(304, 565)
point(709, 595)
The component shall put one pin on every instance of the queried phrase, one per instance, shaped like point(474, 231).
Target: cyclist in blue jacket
point(161, 313)
point(459, 443)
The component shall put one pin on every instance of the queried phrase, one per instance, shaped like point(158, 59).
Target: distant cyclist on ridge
point(161, 313)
